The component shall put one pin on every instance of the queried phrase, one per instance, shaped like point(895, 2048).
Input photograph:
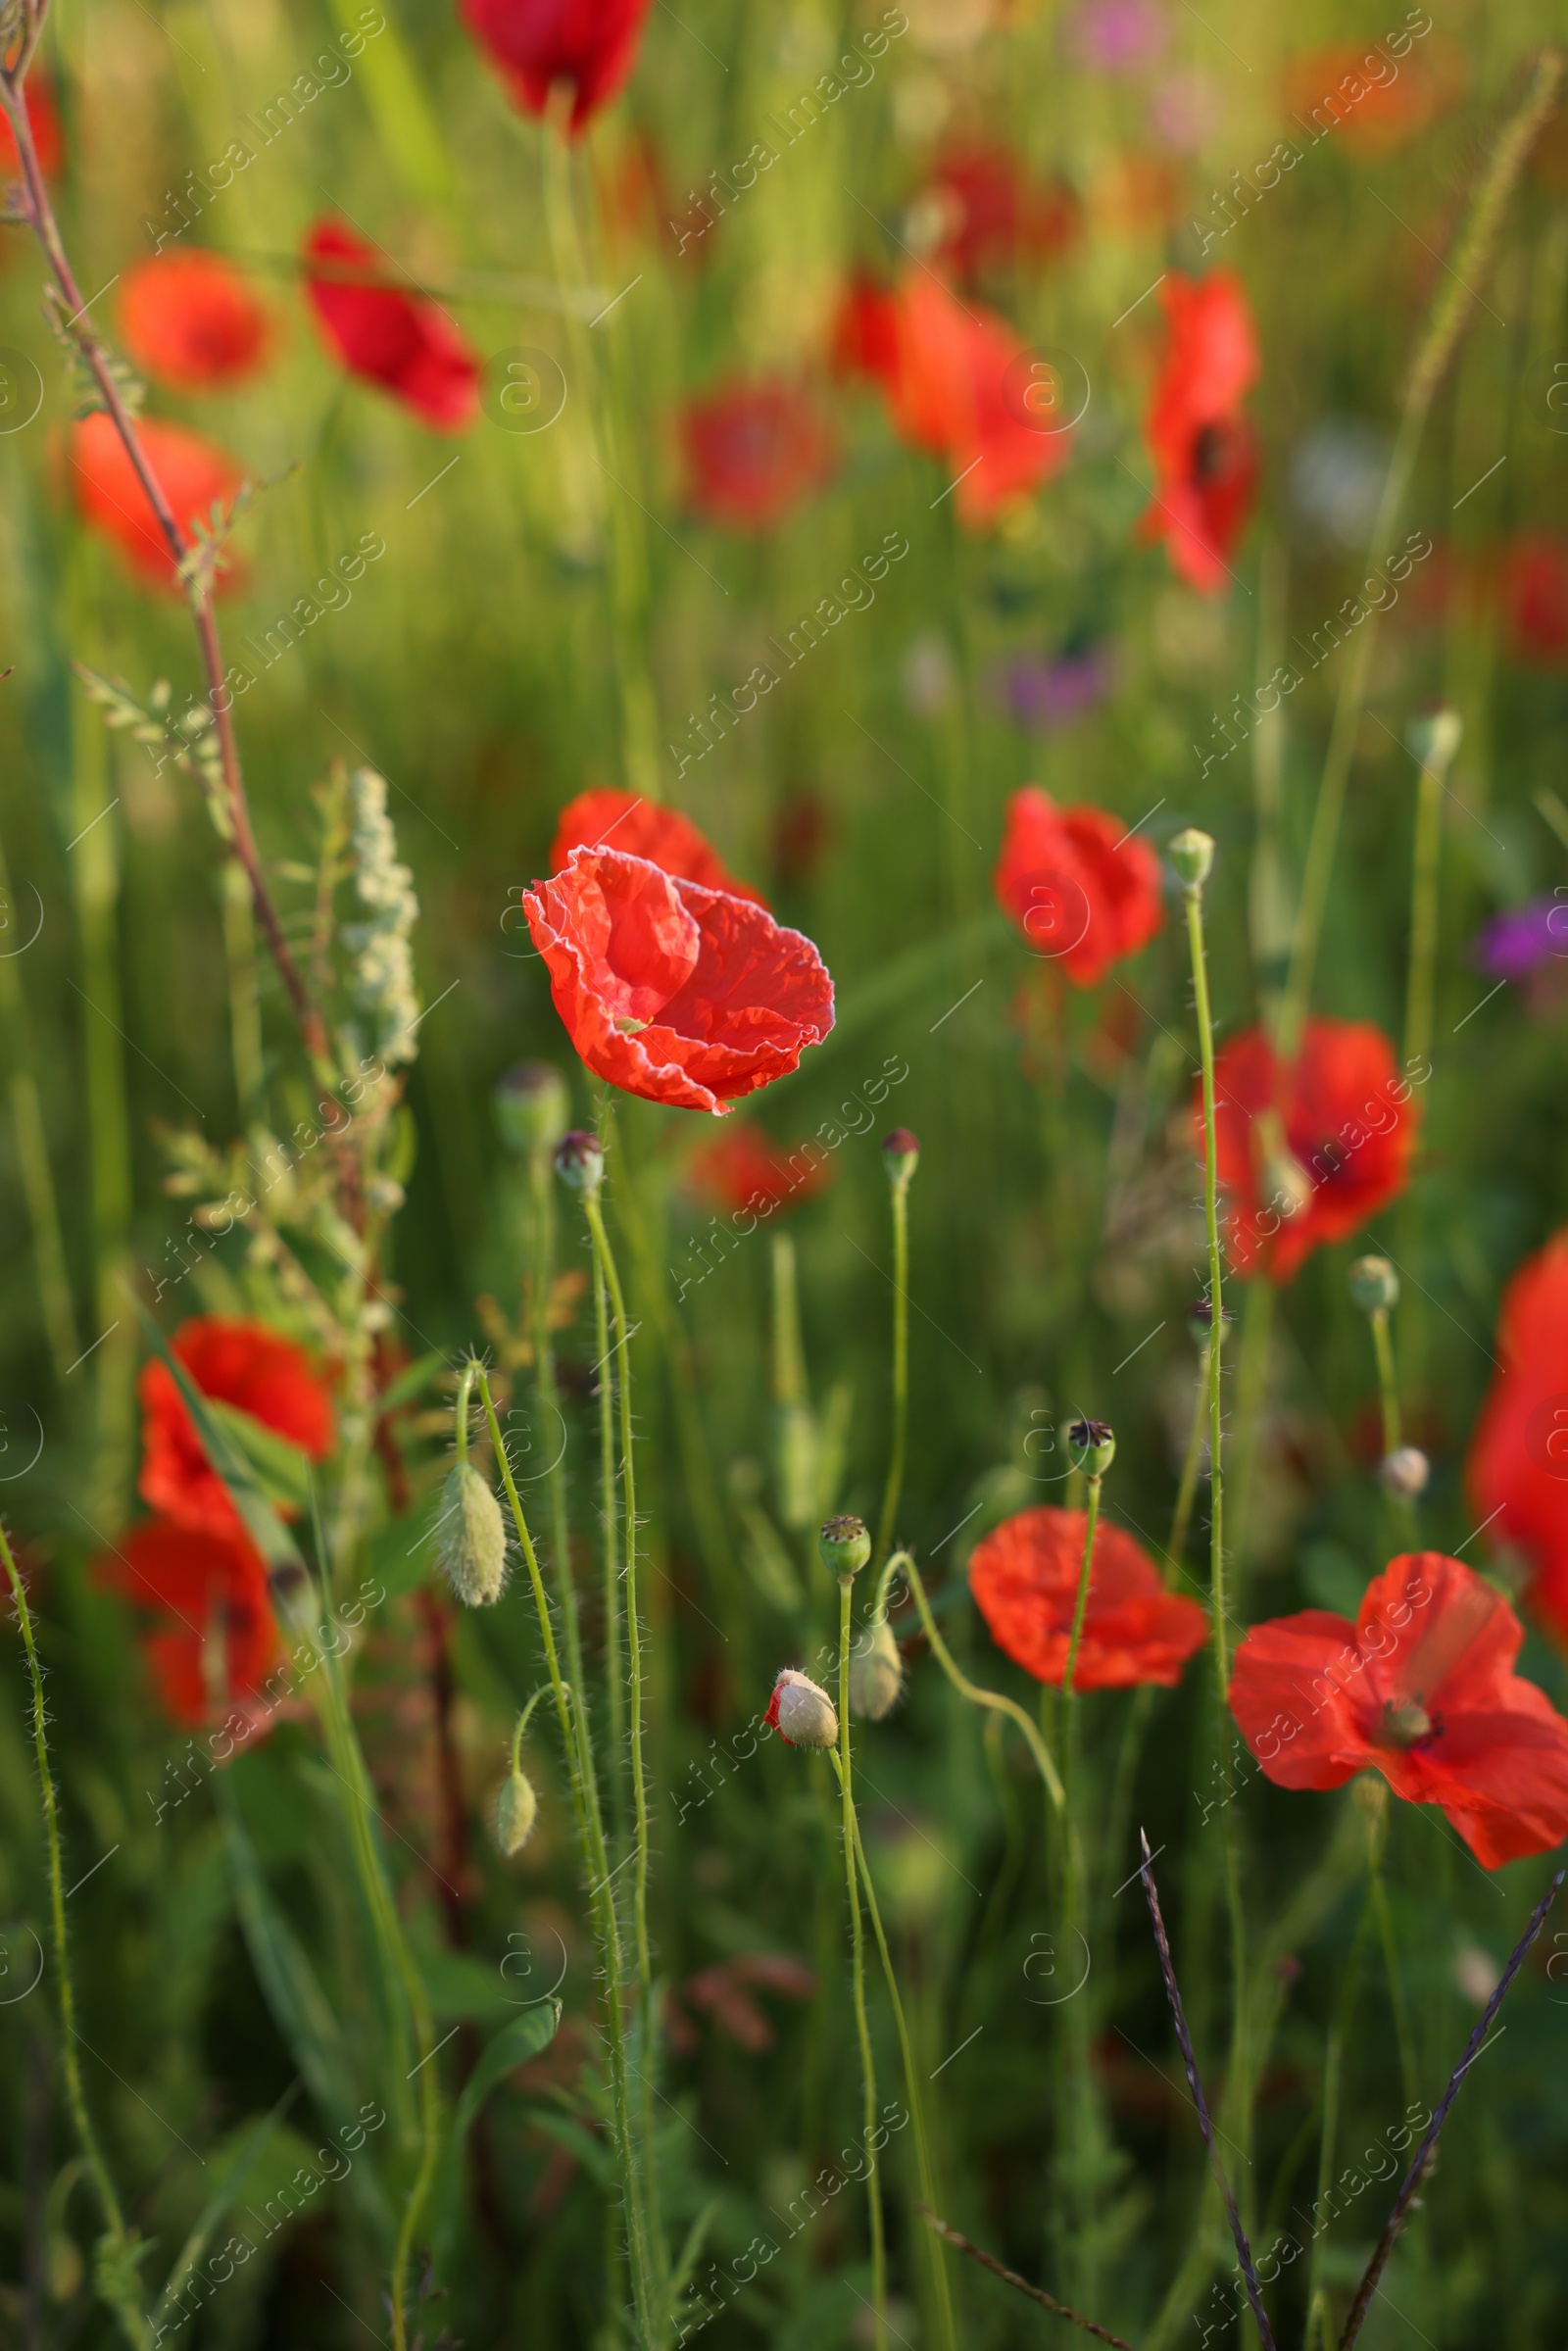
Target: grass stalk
point(873, 2188)
point(901, 1365)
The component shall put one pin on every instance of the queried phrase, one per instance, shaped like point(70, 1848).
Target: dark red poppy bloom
point(960, 385)
point(743, 1171)
point(1307, 1155)
point(190, 319)
point(1206, 455)
point(1083, 890)
point(996, 216)
point(198, 1586)
point(1422, 1688)
point(193, 476)
point(533, 44)
point(753, 452)
point(1518, 1463)
point(1024, 1577)
point(1533, 584)
point(675, 991)
point(401, 341)
point(48, 139)
point(238, 1363)
point(606, 818)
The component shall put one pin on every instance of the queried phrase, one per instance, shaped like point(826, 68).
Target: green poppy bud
point(1374, 1285)
point(471, 1540)
point(901, 1156)
point(581, 1160)
point(845, 1545)
point(876, 1672)
point(1434, 737)
point(1192, 853)
point(532, 1107)
point(517, 1810)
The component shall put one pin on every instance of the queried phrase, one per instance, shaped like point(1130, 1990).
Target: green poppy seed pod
point(1374, 1285)
point(876, 1672)
point(517, 1810)
point(581, 1160)
point(471, 1541)
point(1192, 853)
point(1434, 737)
point(1406, 1472)
point(901, 1156)
point(845, 1545)
point(532, 1107)
point(1091, 1446)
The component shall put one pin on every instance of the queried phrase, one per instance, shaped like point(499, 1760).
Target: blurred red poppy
point(48, 139)
point(743, 1170)
point(191, 320)
point(197, 1583)
point(1533, 584)
point(753, 452)
point(1517, 1472)
point(401, 341)
point(1306, 1154)
point(960, 385)
point(996, 216)
point(239, 1363)
point(1206, 455)
point(604, 817)
point(192, 473)
point(678, 993)
point(1422, 1688)
point(1083, 890)
point(1024, 1577)
point(533, 44)
point(1374, 105)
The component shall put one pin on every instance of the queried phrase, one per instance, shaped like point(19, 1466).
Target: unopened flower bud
point(581, 1160)
point(1434, 737)
point(1192, 853)
point(845, 1545)
point(1405, 1471)
point(517, 1810)
point(876, 1672)
point(900, 1155)
point(532, 1107)
point(1374, 1285)
point(1091, 1446)
point(471, 1541)
point(801, 1712)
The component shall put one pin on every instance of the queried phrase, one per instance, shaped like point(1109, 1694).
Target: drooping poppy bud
point(876, 1672)
point(801, 1712)
point(471, 1541)
point(517, 1810)
point(845, 1545)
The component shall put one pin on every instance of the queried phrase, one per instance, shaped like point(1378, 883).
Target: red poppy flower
point(959, 384)
point(43, 120)
point(194, 477)
point(1347, 1129)
point(675, 991)
point(1535, 598)
point(1205, 457)
point(1518, 1463)
point(589, 44)
point(753, 452)
point(1422, 1688)
point(606, 818)
point(1378, 111)
point(190, 319)
point(995, 215)
point(743, 1170)
point(1024, 1577)
point(1083, 890)
point(195, 1581)
point(406, 345)
point(238, 1363)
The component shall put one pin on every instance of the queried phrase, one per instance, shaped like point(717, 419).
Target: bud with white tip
point(1191, 854)
point(801, 1712)
point(581, 1160)
point(1374, 1285)
point(517, 1810)
point(471, 1540)
point(876, 1672)
point(1406, 1472)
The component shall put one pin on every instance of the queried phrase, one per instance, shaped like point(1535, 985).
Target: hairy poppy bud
point(517, 1810)
point(1434, 737)
point(1374, 1285)
point(845, 1545)
point(579, 1161)
point(471, 1541)
point(876, 1672)
point(801, 1712)
point(1405, 1471)
point(1091, 1446)
point(1192, 853)
point(532, 1107)
point(900, 1155)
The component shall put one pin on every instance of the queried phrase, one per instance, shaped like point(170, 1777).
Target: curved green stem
point(610, 1520)
point(879, 2258)
point(544, 1359)
point(1216, 1302)
point(900, 1364)
point(901, 1563)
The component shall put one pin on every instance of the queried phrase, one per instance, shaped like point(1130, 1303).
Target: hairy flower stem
point(873, 2188)
point(609, 1522)
point(1081, 1603)
point(901, 1366)
point(116, 2275)
point(1077, 2135)
point(647, 2299)
point(901, 1564)
point(543, 1239)
point(1421, 978)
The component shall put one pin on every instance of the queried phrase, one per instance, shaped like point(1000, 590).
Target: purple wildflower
point(1048, 694)
point(1514, 945)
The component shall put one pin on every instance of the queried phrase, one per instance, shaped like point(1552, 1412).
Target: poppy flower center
point(1403, 1726)
point(1213, 447)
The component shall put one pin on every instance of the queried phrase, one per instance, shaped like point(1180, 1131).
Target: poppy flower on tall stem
point(534, 45)
point(753, 452)
point(680, 994)
point(1422, 1688)
point(1084, 890)
point(1306, 1154)
point(1205, 451)
point(238, 1363)
point(1025, 1576)
point(403, 342)
point(605, 817)
point(1517, 1472)
point(199, 1587)
point(193, 476)
point(48, 139)
point(190, 319)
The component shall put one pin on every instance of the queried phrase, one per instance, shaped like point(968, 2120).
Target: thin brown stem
point(1036, 2294)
